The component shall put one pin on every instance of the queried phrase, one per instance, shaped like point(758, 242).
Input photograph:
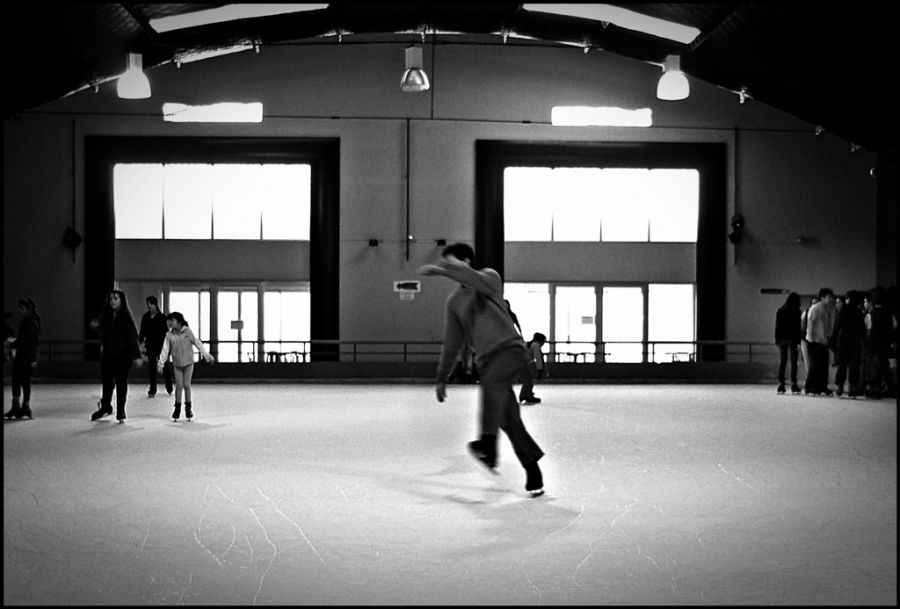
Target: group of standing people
point(857, 333)
point(160, 336)
point(122, 347)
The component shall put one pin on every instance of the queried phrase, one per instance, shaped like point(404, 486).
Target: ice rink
point(309, 494)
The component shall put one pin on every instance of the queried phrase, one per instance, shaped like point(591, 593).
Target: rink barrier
point(332, 360)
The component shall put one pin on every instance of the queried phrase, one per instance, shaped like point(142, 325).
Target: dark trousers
point(152, 360)
point(114, 375)
point(787, 349)
point(817, 375)
point(21, 379)
point(879, 378)
point(848, 368)
point(499, 407)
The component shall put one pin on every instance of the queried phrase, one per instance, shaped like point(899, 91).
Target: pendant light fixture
point(673, 84)
point(133, 84)
point(414, 78)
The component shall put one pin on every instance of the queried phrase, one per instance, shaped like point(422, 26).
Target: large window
point(600, 204)
point(212, 201)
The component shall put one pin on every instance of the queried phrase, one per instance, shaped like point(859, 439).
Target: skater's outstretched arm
point(486, 281)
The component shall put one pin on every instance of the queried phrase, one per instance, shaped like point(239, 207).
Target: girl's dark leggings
point(21, 379)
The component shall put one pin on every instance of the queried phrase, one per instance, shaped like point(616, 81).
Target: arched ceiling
point(826, 63)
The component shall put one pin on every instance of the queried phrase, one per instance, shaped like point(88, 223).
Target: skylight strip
point(225, 112)
point(191, 56)
point(229, 12)
point(602, 116)
point(621, 17)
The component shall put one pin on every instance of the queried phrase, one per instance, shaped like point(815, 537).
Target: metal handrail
point(305, 351)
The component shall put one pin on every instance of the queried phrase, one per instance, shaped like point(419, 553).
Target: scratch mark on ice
point(737, 478)
point(297, 526)
point(271, 561)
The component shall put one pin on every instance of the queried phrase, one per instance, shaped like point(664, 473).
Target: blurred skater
point(475, 313)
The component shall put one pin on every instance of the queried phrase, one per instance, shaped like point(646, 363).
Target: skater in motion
point(788, 333)
point(179, 342)
point(475, 313)
point(119, 347)
point(25, 346)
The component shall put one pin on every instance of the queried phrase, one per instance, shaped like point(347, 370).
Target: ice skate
point(187, 411)
point(25, 411)
point(101, 411)
point(795, 389)
point(14, 410)
point(177, 412)
point(531, 400)
point(484, 451)
point(534, 482)
point(780, 389)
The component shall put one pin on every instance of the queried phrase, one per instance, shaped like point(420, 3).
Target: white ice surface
point(363, 494)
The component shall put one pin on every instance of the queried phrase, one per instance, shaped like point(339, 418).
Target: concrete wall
point(786, 181)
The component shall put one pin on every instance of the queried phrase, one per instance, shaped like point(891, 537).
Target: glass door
point(623, 324)
point(575, 327)
point(237, 326)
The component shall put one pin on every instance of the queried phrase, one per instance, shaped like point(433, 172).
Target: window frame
point(322, 154)
point(709, 159)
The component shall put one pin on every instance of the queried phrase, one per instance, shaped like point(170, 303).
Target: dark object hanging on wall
point(71, 238)
point(737, 229)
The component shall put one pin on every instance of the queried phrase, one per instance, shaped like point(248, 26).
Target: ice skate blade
point(536, 493)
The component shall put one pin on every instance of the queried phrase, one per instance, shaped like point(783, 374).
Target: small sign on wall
point(408, 288)
point(408, 285)
point(237, 324)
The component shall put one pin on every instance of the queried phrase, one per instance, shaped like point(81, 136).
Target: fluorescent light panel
point(600, 116)
point(229, 12)
point(622, 18)
point(191, 56)
point(225, 112)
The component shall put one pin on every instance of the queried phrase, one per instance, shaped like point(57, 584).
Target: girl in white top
point(180, 342)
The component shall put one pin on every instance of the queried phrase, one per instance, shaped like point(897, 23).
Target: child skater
point(537, 369)
point(178, 344)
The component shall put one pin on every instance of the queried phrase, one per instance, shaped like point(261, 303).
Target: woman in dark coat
point(788, 333)
point(119, 347)
point(25, 346)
